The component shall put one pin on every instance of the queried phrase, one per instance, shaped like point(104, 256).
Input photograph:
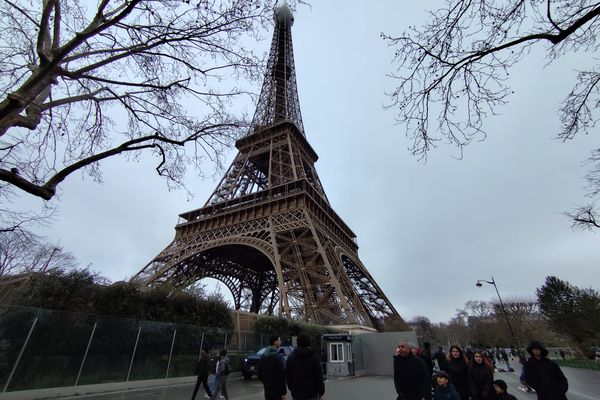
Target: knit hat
point(501, 384)
point(443, 374)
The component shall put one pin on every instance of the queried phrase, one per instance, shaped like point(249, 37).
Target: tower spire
point(278, 99)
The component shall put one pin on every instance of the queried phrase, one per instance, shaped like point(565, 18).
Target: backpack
point(226, 369)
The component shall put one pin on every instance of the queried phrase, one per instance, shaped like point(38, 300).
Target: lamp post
point(492, 282)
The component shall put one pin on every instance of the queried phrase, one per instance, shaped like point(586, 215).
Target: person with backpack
point(221, 373)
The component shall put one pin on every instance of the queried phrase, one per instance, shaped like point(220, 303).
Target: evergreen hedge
point(86, 292)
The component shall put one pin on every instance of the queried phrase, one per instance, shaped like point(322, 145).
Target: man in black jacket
point(203, 372)
point(271, 371)
point(544, 375)
point(303, 371)
point(411, 376)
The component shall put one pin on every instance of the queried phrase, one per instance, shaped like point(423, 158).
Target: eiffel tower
point(268, 232)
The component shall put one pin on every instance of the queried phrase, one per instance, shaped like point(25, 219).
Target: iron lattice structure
point(268, 231)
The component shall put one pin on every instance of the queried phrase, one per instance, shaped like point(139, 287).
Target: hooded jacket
point(544, 375)
point(271, 372)
point(303, 374)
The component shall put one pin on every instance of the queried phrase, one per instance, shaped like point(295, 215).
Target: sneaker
point(206, 396)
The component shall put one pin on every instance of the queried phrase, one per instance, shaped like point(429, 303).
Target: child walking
point(444, 390)
point(501, 390)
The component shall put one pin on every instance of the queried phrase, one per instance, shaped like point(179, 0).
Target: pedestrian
point(457, 366)
point(416, 351)
point(221, 373)
point(499, 357)
point(543, 375)
point(411, 376)
point(481, 377)
point(505, 358)
point(427, 357)
point(202, 370)
point(522, 378)
point(500, 387)
point(444, 390)
point(303, 371)
point(271, 371)
point(562, 354)
point(440, 358)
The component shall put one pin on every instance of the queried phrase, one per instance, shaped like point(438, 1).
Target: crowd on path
point(469, 375)
point(460, 375)
point(301, 372)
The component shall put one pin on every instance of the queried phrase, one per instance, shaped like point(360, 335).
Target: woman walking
point(457, 367)
point(481, 377)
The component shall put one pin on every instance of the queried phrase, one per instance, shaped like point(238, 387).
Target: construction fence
point(44, 348)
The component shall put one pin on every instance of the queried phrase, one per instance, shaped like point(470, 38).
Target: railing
point(579, 363)
point(43, 348)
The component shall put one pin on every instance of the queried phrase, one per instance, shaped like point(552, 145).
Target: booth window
point(336, 352)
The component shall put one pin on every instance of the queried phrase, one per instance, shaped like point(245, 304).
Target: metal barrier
point(44, 348)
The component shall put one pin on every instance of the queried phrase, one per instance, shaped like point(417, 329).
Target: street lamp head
point(478, 284)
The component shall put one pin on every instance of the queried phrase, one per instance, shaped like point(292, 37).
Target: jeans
point(220, 387)
point(204, 380)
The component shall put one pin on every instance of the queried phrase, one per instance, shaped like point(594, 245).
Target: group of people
point(301, 372)
point(470, 378)
point(458, 377)
point(222, 369)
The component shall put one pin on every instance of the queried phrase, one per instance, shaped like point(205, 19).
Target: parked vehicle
point(250, 363)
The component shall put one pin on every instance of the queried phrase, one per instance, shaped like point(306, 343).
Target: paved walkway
point(584, 385)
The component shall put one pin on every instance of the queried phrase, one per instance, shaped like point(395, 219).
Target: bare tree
point(85, 80)
point(453, 72)
point(26, 254)
point(477, 308)
point(422, 327)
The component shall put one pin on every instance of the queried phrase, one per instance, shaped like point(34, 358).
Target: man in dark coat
point(543, 375)
point(427, 357)
point(271, 371)
point(203, 372)
point(303, 371)
point(440, 357)
point(411, 376)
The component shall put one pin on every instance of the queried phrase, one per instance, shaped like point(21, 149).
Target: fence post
point(225, 344)
point(86, 353)
point(20, 354)
point(201, 345)
point(133, 354)
point(171, 353)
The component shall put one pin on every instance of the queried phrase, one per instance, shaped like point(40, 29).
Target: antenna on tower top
point(284, 12)
point(278, 101)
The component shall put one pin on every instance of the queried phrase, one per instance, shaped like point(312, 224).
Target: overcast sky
point(426, 231)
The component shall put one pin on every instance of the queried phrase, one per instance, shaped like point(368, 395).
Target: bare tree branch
point(170, 68)
point(453, 72)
